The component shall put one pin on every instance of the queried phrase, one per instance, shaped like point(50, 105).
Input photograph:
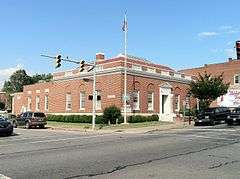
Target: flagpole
point(125, 70)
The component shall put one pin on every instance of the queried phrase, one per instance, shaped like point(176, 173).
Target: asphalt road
point(201, 152)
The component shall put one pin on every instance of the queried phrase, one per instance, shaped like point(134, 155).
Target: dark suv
point(234, 116)
point(212, 115)
point(30, 119)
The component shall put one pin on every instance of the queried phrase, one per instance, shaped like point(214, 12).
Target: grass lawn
point(111, 127)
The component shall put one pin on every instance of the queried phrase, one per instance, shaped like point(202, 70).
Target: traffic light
point(82, 64)
point(58, 61)
point(238, 49)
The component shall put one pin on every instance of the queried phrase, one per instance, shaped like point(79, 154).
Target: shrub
point(111, 114)
point(138, 118)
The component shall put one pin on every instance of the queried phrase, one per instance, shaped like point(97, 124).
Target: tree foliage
point(20, 78)
point(208, 88)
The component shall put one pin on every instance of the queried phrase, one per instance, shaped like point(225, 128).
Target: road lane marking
point(4, 177)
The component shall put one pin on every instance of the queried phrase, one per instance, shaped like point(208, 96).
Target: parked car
point(30, 119)
point(6, 128)
point(212, 115)
point(234, 116)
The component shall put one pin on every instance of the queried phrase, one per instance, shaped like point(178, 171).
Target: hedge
point(138, 118)
point(99, 119)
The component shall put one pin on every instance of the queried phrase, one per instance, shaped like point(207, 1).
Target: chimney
point(100, 56)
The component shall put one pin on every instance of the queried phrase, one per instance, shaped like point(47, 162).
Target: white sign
point(111, 96)
point(231, 99)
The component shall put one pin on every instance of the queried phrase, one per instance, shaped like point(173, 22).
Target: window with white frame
point(236, 79)
point(37, 103)
point(82, 100)
point(98, 102)
point(177, 103)
point(150, 100)
point(136, 67)
point(68, 101)
point(136, 103)
point(151, 70)
point(99, 68)
point(46, 101)
point(29, 103)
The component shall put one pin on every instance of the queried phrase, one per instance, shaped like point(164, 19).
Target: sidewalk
point(126, 129)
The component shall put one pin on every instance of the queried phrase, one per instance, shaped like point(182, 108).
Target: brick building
point(231, 74)
point(152, 89)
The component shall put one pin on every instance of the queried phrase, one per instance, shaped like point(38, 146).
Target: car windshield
point(39, 114)
point(2, 119)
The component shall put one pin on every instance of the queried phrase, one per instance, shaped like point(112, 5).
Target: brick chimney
point(100, 56)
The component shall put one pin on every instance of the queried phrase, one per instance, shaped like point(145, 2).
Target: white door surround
point(165, 103)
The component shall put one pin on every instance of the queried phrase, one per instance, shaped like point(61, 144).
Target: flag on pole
point(124, 28)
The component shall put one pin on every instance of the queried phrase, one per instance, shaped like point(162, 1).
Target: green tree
point(42, 77)
point(16, 82)
point(208, 88)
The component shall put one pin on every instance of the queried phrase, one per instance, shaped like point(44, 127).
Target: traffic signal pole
point(94, 97)
point(82, 64)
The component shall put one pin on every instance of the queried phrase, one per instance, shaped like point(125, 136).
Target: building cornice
point(120, 70)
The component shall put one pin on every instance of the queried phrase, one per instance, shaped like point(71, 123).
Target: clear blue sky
point(177, 33)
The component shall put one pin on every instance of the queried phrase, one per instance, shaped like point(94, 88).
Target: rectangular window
point(37, 103)
point(98, 103)
point(82, 100)
point(68, 102)
point(46, 103)
point(150, 98)
point(136, 104)
point(177, 102)
point(151, 70)
point(99, 68)
point(236, 79)
point(136, 67)
point(29, 103)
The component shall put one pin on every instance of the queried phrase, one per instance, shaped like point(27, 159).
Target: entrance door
point(166, 113)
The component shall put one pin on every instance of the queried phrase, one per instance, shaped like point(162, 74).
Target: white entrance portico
point(165, 101)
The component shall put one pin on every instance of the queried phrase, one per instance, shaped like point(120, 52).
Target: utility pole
point(94, 96)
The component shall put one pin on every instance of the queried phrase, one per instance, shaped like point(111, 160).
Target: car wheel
point(230, 122)
point(14, 124)
point(27, 125)
point(212, 122)
point(196, 124)
point(41, 126)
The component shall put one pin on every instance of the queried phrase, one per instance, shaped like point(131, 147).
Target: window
point(150, 98)
point(151, 70)
point(37, 103)
point(82, 100)
point(98, 103)
point(136, 67)
point(136, 104)
point(99, 68)
point(236, 79)
point(46, 103)
point(29, 103)
point(177, 102)
point(68, 102)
